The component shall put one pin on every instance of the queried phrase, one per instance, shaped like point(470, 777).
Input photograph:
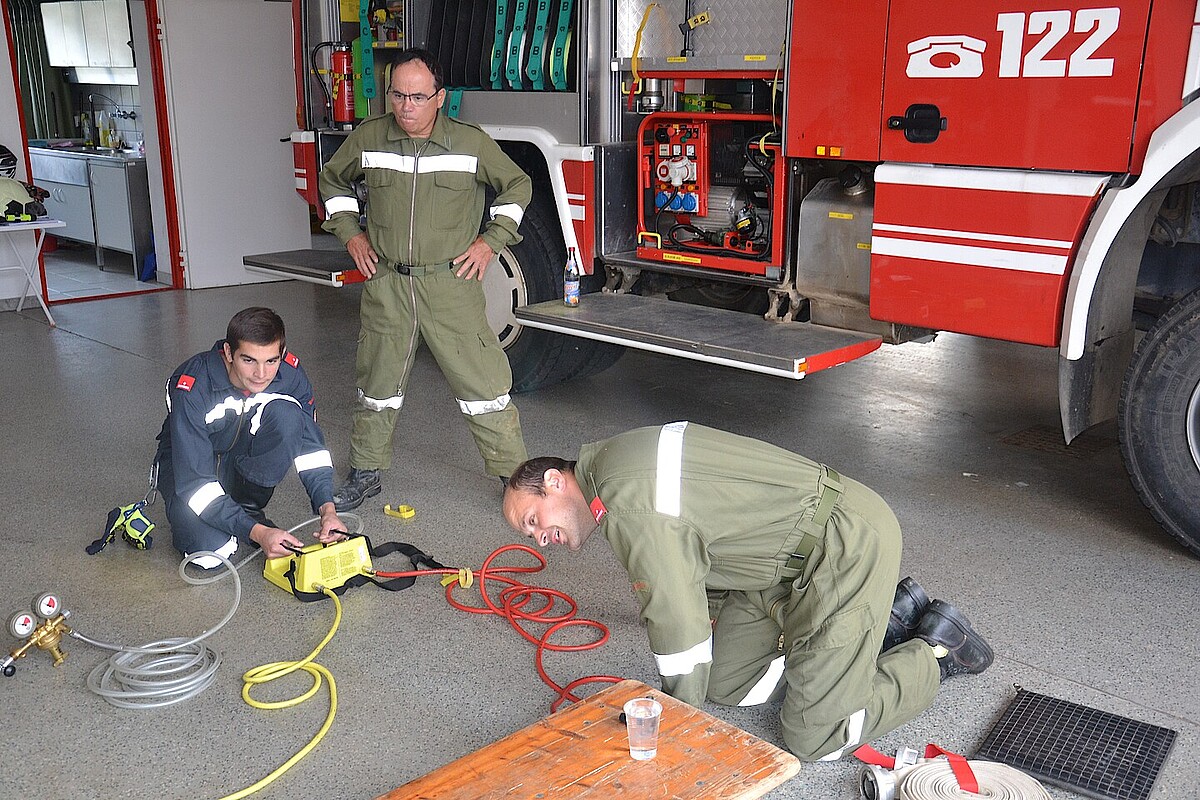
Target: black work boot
point(910, 603)
point(958, 648)
point(253, 499)
point(360, 484)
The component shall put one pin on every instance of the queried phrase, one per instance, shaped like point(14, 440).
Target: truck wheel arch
point(1097, 330)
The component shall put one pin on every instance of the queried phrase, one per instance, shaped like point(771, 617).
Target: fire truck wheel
point(532, 272)
point(1159, 420)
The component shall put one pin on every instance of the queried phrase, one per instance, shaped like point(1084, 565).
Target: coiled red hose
point(513, 606)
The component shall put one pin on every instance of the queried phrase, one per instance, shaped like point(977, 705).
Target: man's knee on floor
point(726, 698)
point(747, 688)
point(189, 533)
point(812, 745)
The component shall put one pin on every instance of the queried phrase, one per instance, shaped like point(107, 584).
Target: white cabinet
point(65, 43)
point(95, 34)
point(104, 200)
point(117, 189)
point(73, 205)
point(88, 33)
point(68, 182)
point(120, 40)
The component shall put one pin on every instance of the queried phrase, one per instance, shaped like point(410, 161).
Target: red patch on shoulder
point(640, 586)
point(291, 359)
point(598, 510)
point(185, 382)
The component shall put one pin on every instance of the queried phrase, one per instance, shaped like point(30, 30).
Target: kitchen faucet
point(117, 112)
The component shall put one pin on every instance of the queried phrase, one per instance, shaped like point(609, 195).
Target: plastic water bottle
point(571, 279)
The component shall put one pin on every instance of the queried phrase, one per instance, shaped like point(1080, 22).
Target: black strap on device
point(418, 558)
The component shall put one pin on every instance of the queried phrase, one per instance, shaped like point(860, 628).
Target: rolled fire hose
point(932, 779)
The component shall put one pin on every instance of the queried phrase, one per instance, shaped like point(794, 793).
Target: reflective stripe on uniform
point(761, 692)
point(208, 562)
point(223, 407)
point(396, 401)
point(473, 408)
point(201, 498)
point(670, 468)
point(683, 663)
point(335, 205)
point(320, 458)
point(854, 729)
point(260, 401)
point(510, 210)
point(450, 162)
point(257, 403)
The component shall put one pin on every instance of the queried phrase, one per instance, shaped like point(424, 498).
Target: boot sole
point(350, 506)
point(969, 636)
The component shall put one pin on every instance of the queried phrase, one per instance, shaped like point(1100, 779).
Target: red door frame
point(153, 22)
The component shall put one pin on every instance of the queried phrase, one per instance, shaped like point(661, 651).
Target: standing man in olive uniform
point(760, 573)
point(424, 258)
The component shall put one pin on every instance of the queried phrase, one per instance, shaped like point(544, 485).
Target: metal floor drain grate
point(1083, 749)
point(1050, 440)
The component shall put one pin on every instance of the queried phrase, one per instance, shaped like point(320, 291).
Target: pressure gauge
point(47, 606)
point(21, 624)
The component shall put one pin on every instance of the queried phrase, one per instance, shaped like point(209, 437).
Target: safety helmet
point(15, 200)
point(8, 163)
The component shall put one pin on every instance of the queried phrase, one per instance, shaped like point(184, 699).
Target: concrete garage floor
point(1047, 549)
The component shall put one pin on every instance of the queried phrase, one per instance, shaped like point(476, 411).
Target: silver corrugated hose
point(168, 671)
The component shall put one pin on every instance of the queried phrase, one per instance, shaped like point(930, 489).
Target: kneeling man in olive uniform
point(760, 574)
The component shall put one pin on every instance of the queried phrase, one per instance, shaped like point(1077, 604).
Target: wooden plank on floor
point(583, 752)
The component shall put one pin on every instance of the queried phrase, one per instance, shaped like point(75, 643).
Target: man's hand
point(365, 257)
point(474, 262)
point(332, 529)
point(273, 540)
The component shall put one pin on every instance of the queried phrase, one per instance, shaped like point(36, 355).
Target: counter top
point(79, 151)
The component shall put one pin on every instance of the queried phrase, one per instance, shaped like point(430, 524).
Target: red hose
point(512, 606)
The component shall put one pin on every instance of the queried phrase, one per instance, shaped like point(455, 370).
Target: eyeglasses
point(418, 99)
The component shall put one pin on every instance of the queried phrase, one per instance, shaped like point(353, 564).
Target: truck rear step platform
point(731, 338)
point(326, 267)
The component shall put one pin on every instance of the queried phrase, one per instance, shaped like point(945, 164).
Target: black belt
point(416, 270)
point(829, 490)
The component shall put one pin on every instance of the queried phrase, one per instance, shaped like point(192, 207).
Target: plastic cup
point(641, 720)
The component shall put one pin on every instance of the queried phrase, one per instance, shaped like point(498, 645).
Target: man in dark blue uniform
point(239, 417)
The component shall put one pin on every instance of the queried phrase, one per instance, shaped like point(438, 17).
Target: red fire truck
point(782, 186)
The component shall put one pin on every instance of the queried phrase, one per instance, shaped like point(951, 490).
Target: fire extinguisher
point(341, 69)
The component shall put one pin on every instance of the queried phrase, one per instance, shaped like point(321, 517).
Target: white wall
point(231, 97)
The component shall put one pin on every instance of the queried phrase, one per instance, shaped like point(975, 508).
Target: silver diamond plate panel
point(738, 27)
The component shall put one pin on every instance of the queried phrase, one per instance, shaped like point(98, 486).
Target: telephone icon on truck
point(945, 57)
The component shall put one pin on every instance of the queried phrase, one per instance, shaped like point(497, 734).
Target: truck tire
point(531, 272)
point(1159, 420)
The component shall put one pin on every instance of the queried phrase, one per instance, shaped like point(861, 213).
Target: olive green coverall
point(425, 203)
point(698, 515)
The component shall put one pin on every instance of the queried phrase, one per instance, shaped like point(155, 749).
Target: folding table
point(29, 266)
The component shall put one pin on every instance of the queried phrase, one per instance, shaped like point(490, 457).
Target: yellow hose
point(637, 46)
point(269, 672)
